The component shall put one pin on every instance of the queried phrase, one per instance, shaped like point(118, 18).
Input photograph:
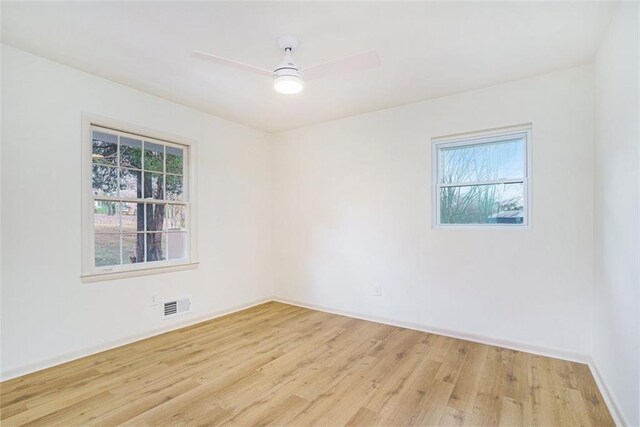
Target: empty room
point(320, 213)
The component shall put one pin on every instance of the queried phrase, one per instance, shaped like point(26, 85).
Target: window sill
point(123, 274)
point(481, 227)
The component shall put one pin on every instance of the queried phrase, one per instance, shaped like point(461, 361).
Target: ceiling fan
point(288, 77)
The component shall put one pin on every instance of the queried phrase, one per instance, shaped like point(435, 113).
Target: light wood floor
point(284, 365)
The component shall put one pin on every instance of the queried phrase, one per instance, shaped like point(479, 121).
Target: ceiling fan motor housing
point(287, 68)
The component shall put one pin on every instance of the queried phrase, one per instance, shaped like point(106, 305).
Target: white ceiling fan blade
point(231, 63)
point(361, 61)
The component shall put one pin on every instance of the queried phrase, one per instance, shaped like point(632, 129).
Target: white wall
point(353, 211)
point(48, 315)
point(616, 349)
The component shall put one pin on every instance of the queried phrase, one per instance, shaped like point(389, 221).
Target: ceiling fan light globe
point(288, 84)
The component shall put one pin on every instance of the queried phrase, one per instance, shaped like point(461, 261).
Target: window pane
point(132, 216)
point(174, 187)
point(174, 160)
point(176, 218)
point(482, 162)
point(132, 248)
point(153, 157)
point(153, 186)
point(104, 148)
point(107, 249)
point(105, 180)
point(128, 229)
point(105, 217)
point(482, 204)
point(177, 245)
point(131, 183)
point(130, 153)
point(155, 216)
point(156, 246)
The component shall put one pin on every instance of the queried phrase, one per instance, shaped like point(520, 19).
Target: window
point(482, 180)
point(138, 217)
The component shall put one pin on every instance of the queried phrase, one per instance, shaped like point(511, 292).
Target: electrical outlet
point(154, 300)
point(377, 291)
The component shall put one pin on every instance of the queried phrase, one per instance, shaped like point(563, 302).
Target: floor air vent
point(176, 307)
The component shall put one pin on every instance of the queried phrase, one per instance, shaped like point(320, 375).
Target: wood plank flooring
point(283, 365)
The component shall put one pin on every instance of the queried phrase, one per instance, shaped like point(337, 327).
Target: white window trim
point(90, 273)
point(472, 138)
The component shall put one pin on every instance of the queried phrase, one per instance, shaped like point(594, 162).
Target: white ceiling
point(428, 49)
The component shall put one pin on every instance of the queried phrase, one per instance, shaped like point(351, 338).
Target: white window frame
point(474, 138)
point(91, 273)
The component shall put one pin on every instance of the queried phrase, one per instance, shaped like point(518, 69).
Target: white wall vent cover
point(176, 307)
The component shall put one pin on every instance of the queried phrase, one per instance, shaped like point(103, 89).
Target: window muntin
point(482, 180)
point(141, 208)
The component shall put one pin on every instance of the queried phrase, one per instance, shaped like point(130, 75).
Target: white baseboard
point(512, 345)
point(609, 400)
point(48, 363)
